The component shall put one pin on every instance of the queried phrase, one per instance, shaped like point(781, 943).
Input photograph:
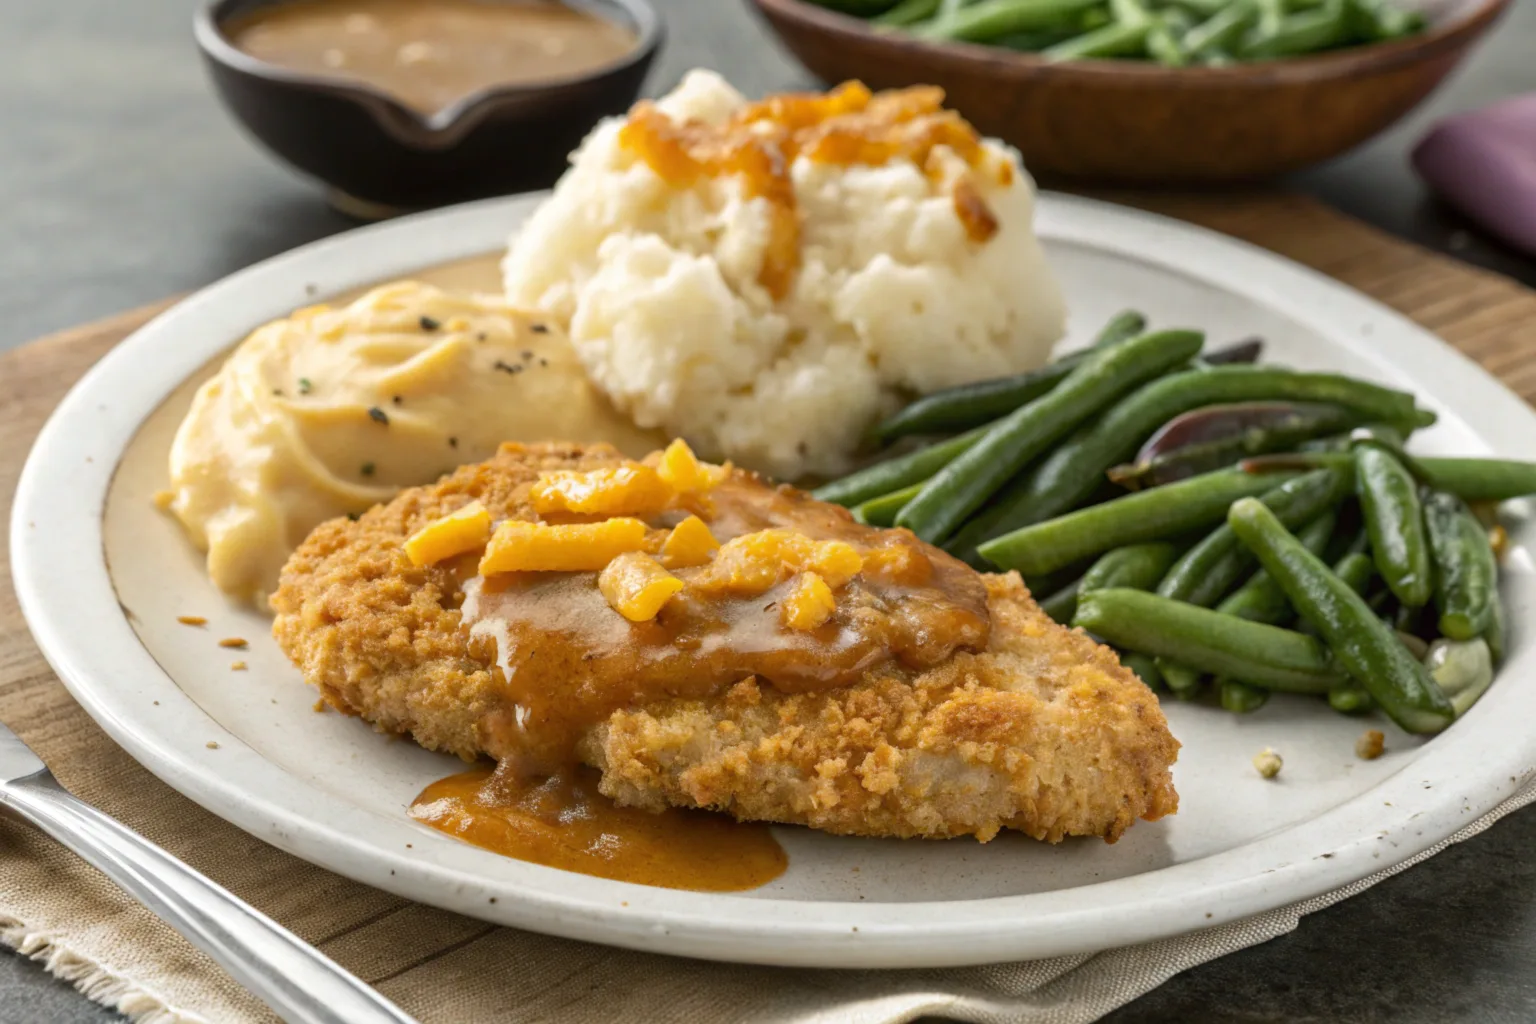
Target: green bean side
point(1364, 645)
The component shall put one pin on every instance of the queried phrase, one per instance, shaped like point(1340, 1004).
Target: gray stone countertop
point(124, 182)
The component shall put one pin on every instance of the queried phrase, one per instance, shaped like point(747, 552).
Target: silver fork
point(300, 983)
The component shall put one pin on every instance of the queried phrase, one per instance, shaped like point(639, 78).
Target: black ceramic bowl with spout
point(378, 155)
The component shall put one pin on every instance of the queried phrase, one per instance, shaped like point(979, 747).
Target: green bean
point(1157, 514)
point(882, 511)
point(1276, 659)
point(1306, 32)
point(907, 12)
point(1118, 39)
point(1356, 570)
point(1164, 40)
point(1261, 599)
point(894, 474)
point(1480, 479)
point(1495, 633)
point(1469, 479)
point(1062, 605)
point(1466, 574)
point(1145, 667)
point(963, 485)
point(1066, 476)
point(1378, 21)
point(1138, 566)
point(1122, 327)
point(1395, 520)
point(1209, 570)
point(1240, 697)
point(1351, 698)
point(970, 405)
point(991, 19)
point(1362, 643)
point(1184, 682)
point(1221, 30)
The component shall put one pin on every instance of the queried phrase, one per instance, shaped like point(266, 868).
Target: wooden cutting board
point(1490, 318)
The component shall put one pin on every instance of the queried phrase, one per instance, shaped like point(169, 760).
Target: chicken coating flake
point(1043, 732)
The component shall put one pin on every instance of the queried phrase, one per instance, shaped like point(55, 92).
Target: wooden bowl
point(1136, 123)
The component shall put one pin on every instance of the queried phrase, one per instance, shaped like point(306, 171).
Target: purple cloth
point(1484, 164)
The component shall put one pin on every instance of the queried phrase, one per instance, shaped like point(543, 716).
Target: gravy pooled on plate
point(430, 53)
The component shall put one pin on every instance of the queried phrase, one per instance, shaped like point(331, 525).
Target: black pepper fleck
point(480, 336)
point(429, 324)
point(352, 516)
point(543, 361)
point(378, 415)
point(527, 354)
point(397, 400)
point(305, 385)
point(453, 442)
point(505, 367)
point(367, 469)
point(539, 329)
point(278, 392)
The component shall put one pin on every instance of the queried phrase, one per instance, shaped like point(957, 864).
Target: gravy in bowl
point(430, 53)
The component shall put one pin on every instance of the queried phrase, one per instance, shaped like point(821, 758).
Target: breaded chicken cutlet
point(934, 702)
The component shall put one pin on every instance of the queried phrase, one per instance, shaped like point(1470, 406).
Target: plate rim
point(61, 580)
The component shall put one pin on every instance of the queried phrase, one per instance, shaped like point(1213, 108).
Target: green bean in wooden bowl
point(1161, 91)
point(1233, 528)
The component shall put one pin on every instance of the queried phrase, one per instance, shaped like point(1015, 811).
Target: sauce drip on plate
point(430, 53)
point(561, 821)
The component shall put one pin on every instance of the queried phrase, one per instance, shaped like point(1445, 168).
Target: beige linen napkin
point(444, 968)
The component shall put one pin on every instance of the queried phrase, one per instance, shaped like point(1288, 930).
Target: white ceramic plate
point(102, 577)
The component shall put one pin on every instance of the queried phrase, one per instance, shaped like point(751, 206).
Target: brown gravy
point(429, 53)
point(848, 126)
point(569, 661)
point(563, 822)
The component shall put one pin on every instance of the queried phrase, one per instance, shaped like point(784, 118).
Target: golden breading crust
point(1044, 732)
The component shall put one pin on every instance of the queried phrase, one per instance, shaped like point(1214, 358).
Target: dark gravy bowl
point(379, 156)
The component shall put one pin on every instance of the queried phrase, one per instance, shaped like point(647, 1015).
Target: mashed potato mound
point(767, 279)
